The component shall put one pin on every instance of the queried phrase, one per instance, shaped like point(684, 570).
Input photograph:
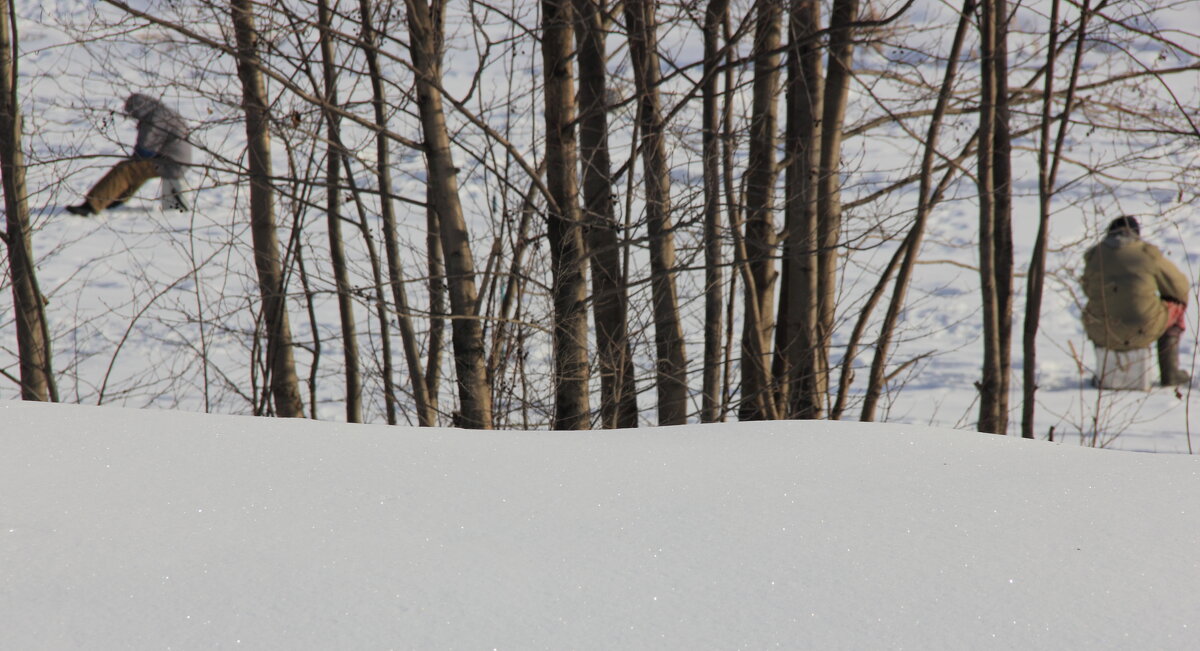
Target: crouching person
point(161, 150)
point(1135, 297)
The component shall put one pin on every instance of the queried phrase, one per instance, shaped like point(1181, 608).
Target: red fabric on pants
point(1176, 316)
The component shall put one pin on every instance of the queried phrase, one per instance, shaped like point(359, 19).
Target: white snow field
point(152, 529)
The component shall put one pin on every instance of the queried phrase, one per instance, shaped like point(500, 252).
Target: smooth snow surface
point(145, 529)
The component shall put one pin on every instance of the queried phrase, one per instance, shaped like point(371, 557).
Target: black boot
point(1168, 361)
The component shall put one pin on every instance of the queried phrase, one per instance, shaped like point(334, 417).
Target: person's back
point(162, 134)
point(1135, 296)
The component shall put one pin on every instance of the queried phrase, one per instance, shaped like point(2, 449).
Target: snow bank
point(143, 529)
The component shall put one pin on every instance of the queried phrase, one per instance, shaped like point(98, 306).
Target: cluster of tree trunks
point(777, 226)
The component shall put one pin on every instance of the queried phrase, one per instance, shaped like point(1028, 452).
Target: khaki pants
point(121, 182)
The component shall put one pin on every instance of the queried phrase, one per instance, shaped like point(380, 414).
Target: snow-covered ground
point(148, 529)
point(154, 309)
point(123, 528)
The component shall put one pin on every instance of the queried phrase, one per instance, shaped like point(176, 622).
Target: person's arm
point(1172, 284)
point(1089, 270)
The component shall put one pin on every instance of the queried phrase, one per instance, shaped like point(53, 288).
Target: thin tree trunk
point(314, 366)
point(987, 265)
point(760, 240)
point(1035, 281)
point(381, 309)
point(801, 344)
point(727, 361)
point(741, 263)
point(564, 226)
point(1002, 168)
point(508, 333)
point(425, 23)
point(284, 384)
point(610, 301)
point(710, 409)
point(1047, 176)
point(513, 286)
point(927, 197)
point(33, 340)
point(333, 220)
point(426, 416)
point(846, 375)
point(829, 202)
point(780, 368)
point(995, 246)
point(733, 206)
point(668, 336)
point(436, 269)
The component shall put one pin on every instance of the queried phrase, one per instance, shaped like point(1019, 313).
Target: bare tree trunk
point(829, 202)
point(337, 253)
point(710, 409)
point(927, 197)
point(742, 265)
point(995, 244)
point(801, 344)
point(780, 371)
point(436, 267)
point(314, 366)
point(846, 374)
point(987, 220)
point(1047, 176)
point(425, 23)
point(759, 324)
point(1002, 169)
point(733, 206)
point(426, 416)
point(610, 301)
point(1035, 281)
point(284, 384)
point(509, 334)
point(564, 228)
point(33, 340)
point(513, 286)
point(668, 336)
point(381, 307)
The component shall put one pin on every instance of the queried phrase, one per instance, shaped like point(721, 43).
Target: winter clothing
point(162, 135)
point(1127, 221)
point(121, 182)
point(1176, 317)
point(1168, 360)
point(1131, 289)
point(161, 149)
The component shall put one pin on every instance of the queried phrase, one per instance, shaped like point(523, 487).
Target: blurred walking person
point(161, 150)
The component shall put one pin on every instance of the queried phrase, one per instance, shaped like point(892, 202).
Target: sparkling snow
point(146, 529)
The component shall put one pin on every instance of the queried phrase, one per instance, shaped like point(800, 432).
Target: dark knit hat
point(1125, 222)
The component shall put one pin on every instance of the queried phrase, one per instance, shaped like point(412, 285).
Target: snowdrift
point(145, 529)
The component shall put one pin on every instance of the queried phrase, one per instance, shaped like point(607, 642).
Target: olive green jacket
point(1126, 281)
